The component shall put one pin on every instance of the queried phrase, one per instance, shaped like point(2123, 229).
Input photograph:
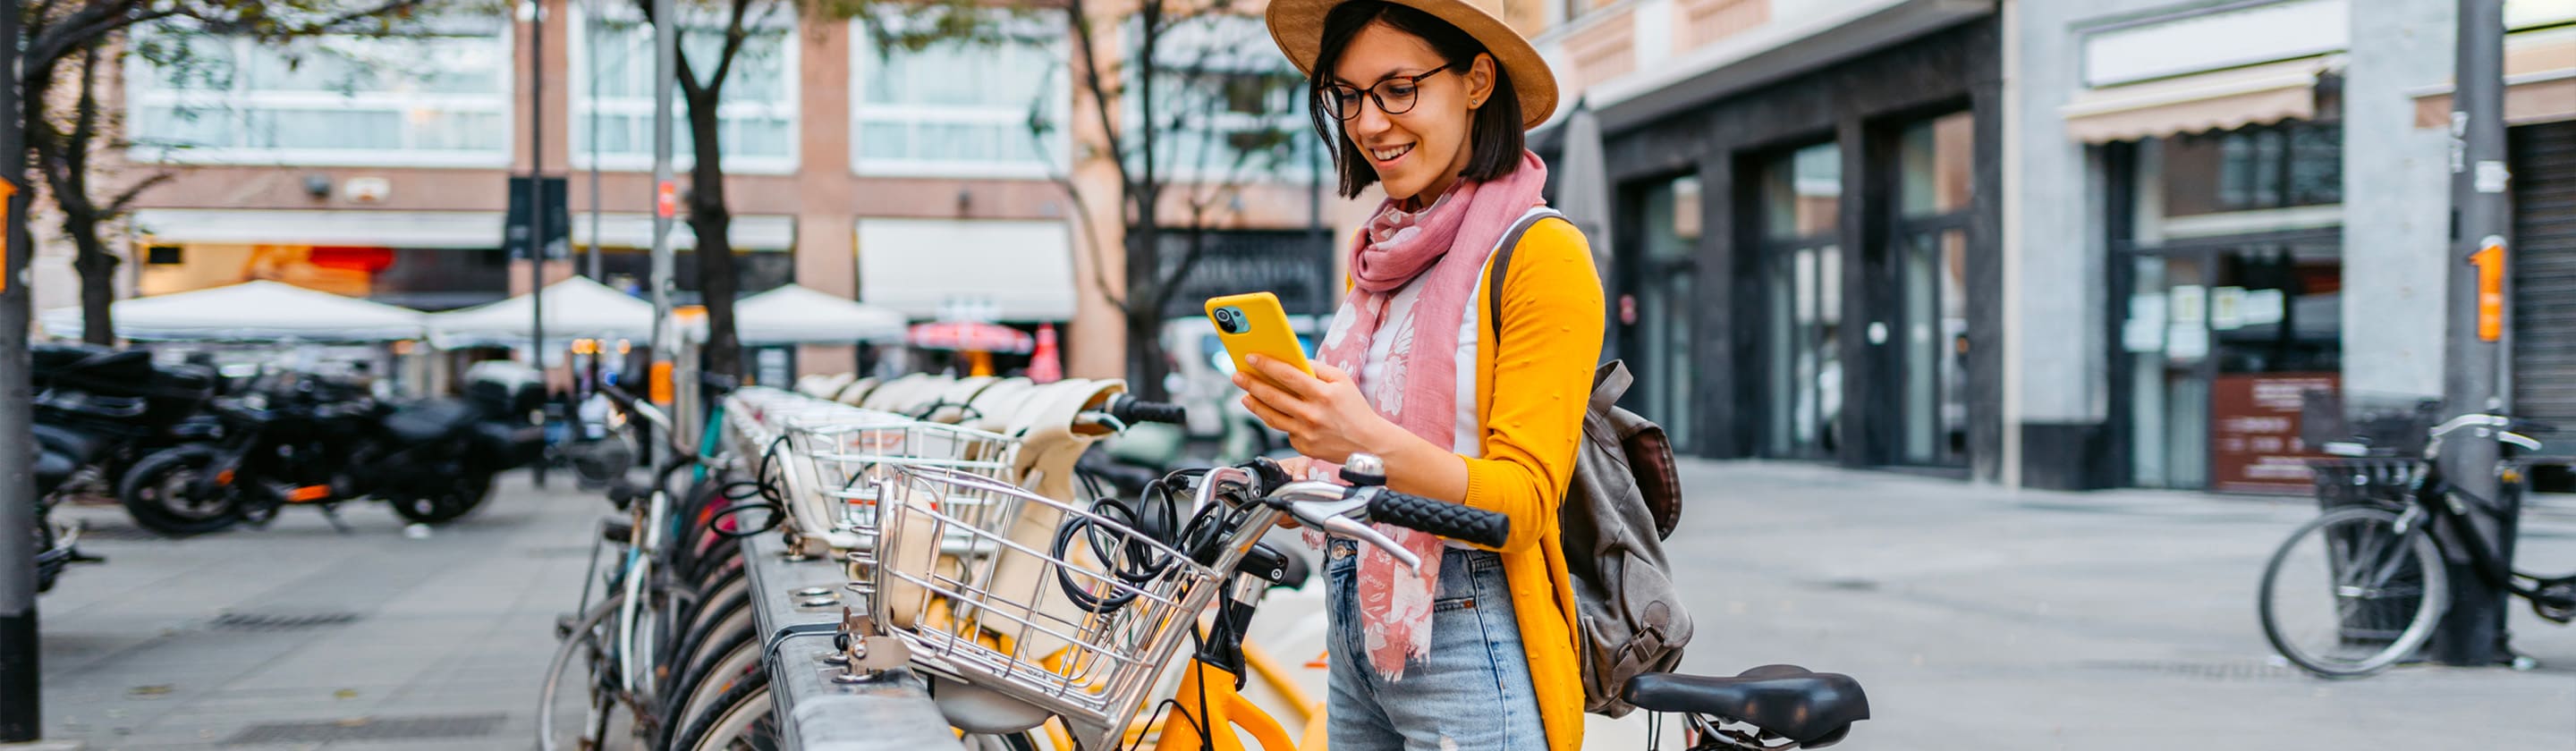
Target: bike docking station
point(832, 691)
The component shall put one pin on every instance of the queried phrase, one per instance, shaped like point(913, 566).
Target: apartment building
point(910, 179)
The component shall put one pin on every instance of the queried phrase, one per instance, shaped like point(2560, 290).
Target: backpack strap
point(1499, 267)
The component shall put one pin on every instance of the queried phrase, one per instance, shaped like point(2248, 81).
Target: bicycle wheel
point(2348, 596)
point(740, 718)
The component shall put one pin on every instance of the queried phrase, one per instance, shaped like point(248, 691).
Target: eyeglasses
point(1394, 96)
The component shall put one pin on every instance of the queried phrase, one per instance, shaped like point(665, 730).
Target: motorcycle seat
point(431, 420)
point(75, 446)
point(1810, 709)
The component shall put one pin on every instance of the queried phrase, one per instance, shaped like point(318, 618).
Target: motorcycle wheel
point(447, 504)
point(157, 494)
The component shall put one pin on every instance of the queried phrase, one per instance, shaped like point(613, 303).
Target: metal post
point(590, 36)
point(20, 681)
point(537, 203)
point(2472, 632)
point(666, 194)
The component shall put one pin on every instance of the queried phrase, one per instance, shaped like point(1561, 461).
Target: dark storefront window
point(1664, 277)
point(1931, 230)
point(1801, 194)
point(2221, 330)
point(755, 271)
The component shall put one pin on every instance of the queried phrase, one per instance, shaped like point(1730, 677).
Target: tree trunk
point(97, 269)
point(1146, 365)
point(713, 223)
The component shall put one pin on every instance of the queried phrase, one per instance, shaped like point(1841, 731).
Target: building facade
point(1805, 253)
point(2215, 207)
point(906, 178)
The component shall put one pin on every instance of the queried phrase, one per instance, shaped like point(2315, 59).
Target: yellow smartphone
point(1254, 324)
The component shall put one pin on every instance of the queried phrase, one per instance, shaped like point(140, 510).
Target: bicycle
point(2385, 571)
point(1142, 573)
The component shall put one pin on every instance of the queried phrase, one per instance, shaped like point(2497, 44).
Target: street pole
point(666, 194)
point(20, 682)
point(2472, 632)
point(537, 203)
point(590, 36)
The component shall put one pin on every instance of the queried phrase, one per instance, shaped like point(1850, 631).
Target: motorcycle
point(57, 545)
point(317, 442)
point(103, 409)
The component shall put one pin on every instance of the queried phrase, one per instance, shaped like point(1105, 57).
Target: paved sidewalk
point(1980, 617)
point(295, 635)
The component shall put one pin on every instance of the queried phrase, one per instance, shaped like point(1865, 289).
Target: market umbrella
point(971, 336)
point(800, 315)
point(576, 308)
point(1583, 182)
point(254, 311)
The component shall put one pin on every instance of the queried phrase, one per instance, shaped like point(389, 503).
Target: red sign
point(666, 200)
point(2254, 442)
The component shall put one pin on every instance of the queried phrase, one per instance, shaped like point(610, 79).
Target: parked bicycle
point(2363, 586)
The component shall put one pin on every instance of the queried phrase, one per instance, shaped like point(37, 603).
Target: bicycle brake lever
point(1346, 526)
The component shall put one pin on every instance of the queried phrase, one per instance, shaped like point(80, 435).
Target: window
point(1801, 258)
point(208, 99)
point(2291, 165)
point(960, 108)
point(1231, 108)
point(755, 121)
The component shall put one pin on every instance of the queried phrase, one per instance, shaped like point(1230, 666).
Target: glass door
point(1802, 277)
point(1664, 277)
point(1930, 232)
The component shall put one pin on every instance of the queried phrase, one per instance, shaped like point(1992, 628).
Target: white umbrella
point(799, 315)
point(1583, 183)
point(576, 308)
point(255, 311)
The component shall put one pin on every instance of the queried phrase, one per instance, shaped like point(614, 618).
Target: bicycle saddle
point(1809, 708)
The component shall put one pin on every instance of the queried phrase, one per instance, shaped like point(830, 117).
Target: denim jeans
point(1471, 692)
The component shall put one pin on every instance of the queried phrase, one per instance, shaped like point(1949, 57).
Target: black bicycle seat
point(1809, 708)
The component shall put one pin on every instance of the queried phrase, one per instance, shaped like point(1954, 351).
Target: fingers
point(1286, 375)
point(1274, 418)
point(1329, 374)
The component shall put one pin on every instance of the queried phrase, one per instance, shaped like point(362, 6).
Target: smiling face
point(1419, 152)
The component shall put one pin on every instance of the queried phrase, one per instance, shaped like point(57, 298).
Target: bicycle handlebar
point(1131, 410)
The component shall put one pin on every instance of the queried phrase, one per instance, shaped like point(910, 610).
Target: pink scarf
point(1442, 247)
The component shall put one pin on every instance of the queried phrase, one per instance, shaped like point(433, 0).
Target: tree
point(1191, 106)
point(63, 44)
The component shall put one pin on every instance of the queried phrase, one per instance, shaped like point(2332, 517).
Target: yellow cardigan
point(1533, 388)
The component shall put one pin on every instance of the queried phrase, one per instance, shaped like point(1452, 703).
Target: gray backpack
point(1624, 500)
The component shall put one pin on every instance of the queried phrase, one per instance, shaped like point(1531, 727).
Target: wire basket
point(846, 455)
point(1082, 635)
point(2380, 424)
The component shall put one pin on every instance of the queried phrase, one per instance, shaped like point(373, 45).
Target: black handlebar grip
point(625, 401)
point(1460, 522)
point(1133, 411)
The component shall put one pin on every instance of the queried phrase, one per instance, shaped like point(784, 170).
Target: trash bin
point(2380, 445)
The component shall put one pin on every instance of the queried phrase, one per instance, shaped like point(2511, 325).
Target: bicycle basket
point(2383, 424)
point(845, 456)
point(1082, 635)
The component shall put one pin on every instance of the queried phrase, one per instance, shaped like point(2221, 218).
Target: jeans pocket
point(1447, 604)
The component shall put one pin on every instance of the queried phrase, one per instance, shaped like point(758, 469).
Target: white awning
point(427, 229)
point(797, 315)
point(257, 310)
point(2539, 78)
point(576, 308)
point(1024, 269)
point(2217, 100)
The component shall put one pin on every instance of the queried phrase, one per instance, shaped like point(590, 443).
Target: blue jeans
point(1471, 692)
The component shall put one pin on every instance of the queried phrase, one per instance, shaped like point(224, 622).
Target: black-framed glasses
point(1394, 96)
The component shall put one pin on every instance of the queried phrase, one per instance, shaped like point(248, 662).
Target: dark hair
point(1495, 138)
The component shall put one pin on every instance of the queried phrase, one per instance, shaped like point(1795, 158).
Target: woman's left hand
point(1324, 414)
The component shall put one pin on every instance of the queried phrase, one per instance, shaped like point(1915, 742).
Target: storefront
point(1808, 270)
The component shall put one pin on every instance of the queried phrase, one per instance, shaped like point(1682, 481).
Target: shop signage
point(2254, 442)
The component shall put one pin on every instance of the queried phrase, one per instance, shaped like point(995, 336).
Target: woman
point(1431, 98)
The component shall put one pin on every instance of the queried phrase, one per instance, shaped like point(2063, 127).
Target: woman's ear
point(1480, 80)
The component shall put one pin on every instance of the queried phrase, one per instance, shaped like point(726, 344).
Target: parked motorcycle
point(103, 409)
point(313, 441)
point(57, 546)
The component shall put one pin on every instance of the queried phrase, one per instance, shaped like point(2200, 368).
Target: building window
point(1936, 181)
point(1231, 109)
point(755, 121)
point(957, 108)
point(436, 100)
point(2285, 166)
point(1801, 195)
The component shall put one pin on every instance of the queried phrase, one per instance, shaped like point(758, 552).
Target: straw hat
point(1298, 27)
